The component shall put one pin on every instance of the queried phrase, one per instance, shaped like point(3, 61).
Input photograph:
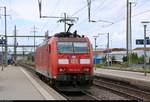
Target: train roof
point(64, 37)
point(67, 35)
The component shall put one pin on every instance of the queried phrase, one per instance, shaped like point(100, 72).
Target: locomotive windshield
point(80, 47)
point(73, 47)
point(65, 47)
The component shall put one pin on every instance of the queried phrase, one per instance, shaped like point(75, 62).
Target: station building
point(140, 51)
point(118, 53)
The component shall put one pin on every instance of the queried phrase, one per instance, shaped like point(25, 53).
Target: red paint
point(47, 61)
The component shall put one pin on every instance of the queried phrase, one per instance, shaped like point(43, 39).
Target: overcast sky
point(25, 14)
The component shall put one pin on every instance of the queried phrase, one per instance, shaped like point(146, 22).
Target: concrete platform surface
point(16, 84)
point(135, 78)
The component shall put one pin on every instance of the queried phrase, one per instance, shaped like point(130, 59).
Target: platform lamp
point(145, 31)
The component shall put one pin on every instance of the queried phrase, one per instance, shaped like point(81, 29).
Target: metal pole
point(2, 56)
point(95, 51)
point(89, 9)
point(127, 29)
point(65, 21)
point(130, 34)
point(23, 52)
point(108, 49)
point(5, 35)
point(34, 38)
point(15, 44)
point(95, 43)
point(145, 26)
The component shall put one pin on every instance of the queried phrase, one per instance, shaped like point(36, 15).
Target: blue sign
point(2, 41)
point(141, 42)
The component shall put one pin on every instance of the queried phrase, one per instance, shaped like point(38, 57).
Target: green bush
point(125, 59)
point(141, 59)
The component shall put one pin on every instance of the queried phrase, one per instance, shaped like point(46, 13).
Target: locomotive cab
point(66, 59)
point(75, 63)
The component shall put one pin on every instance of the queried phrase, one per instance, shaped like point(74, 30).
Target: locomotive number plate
point(74, 61)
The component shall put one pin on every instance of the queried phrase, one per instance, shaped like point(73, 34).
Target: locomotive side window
point(65, 47)
point(81, 47)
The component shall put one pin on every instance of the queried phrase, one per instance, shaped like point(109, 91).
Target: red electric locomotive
point(66, 59)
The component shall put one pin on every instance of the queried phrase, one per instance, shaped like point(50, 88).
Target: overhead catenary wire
point(100, 20)
point(83, 20)
point(135, 15)
point(56, 6)
point(142, 4)
point(99, 7)
point(81, 9)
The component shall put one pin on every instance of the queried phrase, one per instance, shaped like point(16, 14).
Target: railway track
point(118, 88)
point(123, 89)
point(81, 95)
point(78, 96)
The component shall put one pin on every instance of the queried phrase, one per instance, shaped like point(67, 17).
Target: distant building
point(98, 60)
point(140, 51)
point(99, 53)
point(117, 53)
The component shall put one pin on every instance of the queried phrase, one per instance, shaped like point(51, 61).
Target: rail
point(127, 90)
point(81, 95)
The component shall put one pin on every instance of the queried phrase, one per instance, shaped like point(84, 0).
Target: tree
point(104, 59)
point(134, 57)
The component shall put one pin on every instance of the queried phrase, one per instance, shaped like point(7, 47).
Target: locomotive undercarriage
point(74, 79)
point(69, 82)
point(74, 82)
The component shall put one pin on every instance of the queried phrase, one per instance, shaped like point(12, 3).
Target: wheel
point(52, 82)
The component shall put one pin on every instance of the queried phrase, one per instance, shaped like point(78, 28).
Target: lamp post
point(145, 28)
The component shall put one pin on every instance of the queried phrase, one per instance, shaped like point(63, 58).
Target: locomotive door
point(49, 60)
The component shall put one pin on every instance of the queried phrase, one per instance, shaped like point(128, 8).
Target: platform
point(134, 78)
point(17, 84)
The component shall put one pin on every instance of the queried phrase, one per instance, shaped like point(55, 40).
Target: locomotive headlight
point(61, 69)
point(84, 61)
point(86, 69)
point(63, 61)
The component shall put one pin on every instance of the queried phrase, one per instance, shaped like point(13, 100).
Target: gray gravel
point(103, 94)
